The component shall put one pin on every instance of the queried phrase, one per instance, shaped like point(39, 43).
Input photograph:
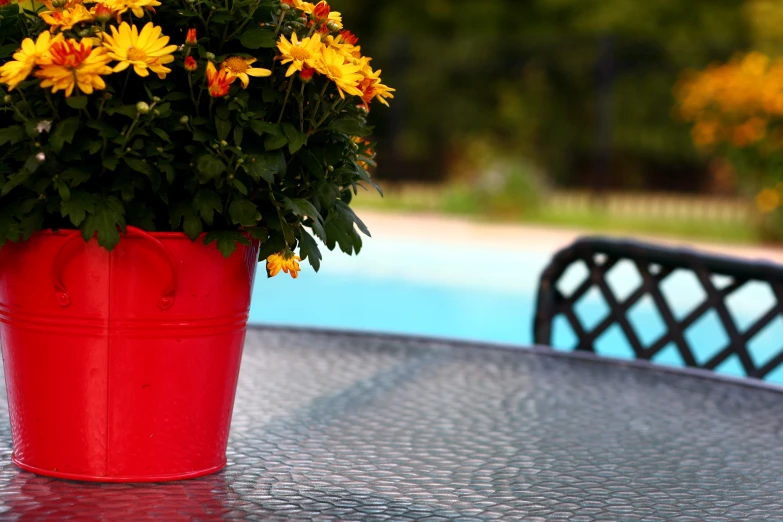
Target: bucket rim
point(60, 232)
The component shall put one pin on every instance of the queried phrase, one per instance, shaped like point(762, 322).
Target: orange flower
point(768, 201)
point(218, 82)
point(191, 38)
point(306, 74)
point(285, 261)
point(191, 64)
point(102, 12)
point(321, 11)
point(73, 64)
point(349, 37)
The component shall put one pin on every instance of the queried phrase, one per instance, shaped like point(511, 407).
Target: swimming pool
point(448, 290)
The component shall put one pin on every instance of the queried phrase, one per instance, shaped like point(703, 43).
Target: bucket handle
point(63, 297)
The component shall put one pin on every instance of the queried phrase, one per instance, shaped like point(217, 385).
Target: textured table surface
point(331, 426)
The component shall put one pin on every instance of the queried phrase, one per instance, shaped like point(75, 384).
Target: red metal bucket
point(122, 366)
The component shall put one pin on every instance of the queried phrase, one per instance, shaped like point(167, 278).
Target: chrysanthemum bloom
point(237, 67)
point(321, 11)
point(137, 7)
point(218, 82)
point(191, 39)
point(191, 64)
point(322, 14)
point(348, 37)
point(102, 12)
point(306, 74)
point(65, 20)
point(372, 88)
point(299, 54)
point(4, 3)
point(15, 72)
point(285, 261)
point(143, 50)
point(345, 76)
point(768, 201)
point(70, 64)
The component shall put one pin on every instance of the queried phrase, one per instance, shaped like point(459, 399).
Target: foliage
point(736, 110)
point(224, 120)
point(526, 76)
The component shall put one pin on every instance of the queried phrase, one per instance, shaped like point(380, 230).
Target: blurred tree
point(562, 82)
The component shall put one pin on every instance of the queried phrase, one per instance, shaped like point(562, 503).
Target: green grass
point(451, 202)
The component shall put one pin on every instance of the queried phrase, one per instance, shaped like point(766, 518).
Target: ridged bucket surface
point(122, 366)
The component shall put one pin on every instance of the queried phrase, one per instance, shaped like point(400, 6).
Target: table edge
point(746, 382)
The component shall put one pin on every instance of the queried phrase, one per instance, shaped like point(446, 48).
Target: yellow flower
point(70, 64)
point(237, 67)
point(135, 6)
point(299, 54)
point(285, 261)
point(145, 50)
point(768, 201)
point(372, 89)
point(65, 20)
point(15, 72)
point(307, 7)
point(345, 76)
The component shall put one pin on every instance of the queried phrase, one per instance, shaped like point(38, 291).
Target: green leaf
point(265, 166)
point(241, 188)
point(347, 212)
point(63, 133)
point(77, 102)
point(295, 138)
point(257, 38)
point(77, 207)
point(105, 221)
point(244, 212)
point(209, 167)
point(64, 191)
point(350, 126)
point(12, 135)
point(264, 127)
point(308, 250)
point(106, 129)
point(303, 208)
point(207, 202)
point(275, 142)
point(193, 226)
point(139, 166)
point(226, 241)
point(168, 169)
point(161, 134)
point(271, 245)
point(110, 162)
point(75, 176)
point(311, 162)
point(223, 128)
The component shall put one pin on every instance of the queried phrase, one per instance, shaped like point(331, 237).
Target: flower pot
point(122, 366)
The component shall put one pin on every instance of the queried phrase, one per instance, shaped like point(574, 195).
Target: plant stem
point(280, 22)
point(26, 105)
point(285, 103)
point(301, 107)
point(318, 104)
point(192, 95)
point(125, 85)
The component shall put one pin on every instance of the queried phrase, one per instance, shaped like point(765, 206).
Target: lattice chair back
point(628, 299)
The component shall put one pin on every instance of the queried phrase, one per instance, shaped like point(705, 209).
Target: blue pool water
point(448, 290)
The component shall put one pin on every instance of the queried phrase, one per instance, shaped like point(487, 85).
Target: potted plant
point(150, 154)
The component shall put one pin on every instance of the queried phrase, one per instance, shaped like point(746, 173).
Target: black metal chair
point(654, 265)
